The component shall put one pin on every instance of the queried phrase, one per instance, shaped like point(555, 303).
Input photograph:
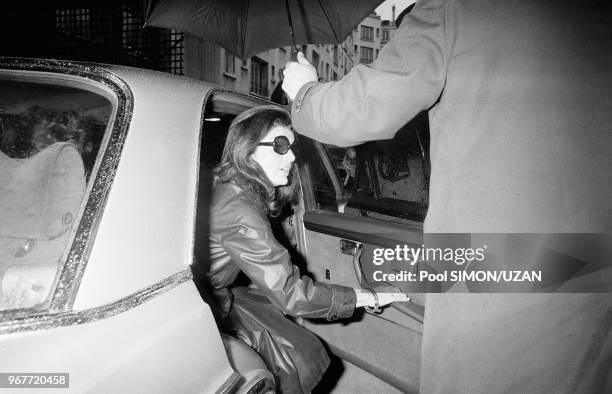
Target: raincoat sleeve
point(372, 103)
point(247, 237)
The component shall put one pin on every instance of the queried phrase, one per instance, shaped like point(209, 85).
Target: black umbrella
point(247, 27)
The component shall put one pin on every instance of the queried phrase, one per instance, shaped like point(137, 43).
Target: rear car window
point(51, 131)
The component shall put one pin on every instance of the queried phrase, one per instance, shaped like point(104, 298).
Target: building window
point(173, 57)
point(74, 22)
point(377, 33)
point(131, 38)
point(114, 34)
point(356, 49)
point(230, 63)
point(385, 36)
point(259, 77)
point(315, 60)
point(367, 55)
point(336, 55)
point(335, 76)
point(376, 54)
point(367, 33)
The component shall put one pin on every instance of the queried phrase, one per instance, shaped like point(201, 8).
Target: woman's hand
point(380, 296)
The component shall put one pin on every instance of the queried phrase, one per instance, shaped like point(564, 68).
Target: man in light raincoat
point(519, 95)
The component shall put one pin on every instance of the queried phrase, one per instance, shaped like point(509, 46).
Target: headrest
point(24, 286)
point(40, 195)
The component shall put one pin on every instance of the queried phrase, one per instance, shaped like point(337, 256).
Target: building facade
point(366, 39)
point(113, 31)
point(109, 31)
point(260, 74)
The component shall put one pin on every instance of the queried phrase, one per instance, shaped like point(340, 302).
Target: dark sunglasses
point(280, 144)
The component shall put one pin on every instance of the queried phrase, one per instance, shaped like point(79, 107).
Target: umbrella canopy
point(247, 27)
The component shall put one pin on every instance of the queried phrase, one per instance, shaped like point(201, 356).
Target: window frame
point(230, 63)
point(366, 51)
point(83, 234)
point(385, 36)
point(367, 33)
point(259, 77)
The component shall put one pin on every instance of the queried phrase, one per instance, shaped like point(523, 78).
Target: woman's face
point(275, 166)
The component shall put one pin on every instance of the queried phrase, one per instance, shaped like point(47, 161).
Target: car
point(102, 169)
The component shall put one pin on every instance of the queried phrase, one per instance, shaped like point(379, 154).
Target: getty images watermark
point(458, 256)
point(494, 263)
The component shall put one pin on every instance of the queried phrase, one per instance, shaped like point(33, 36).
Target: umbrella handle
point(294, 49)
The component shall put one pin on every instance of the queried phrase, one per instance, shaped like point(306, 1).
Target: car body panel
point(138, 348)
point(155, 183)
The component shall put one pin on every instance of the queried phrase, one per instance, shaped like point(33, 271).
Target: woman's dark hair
point(237, 166)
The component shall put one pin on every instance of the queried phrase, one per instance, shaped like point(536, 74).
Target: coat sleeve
point(372, 103)
point(248, 239)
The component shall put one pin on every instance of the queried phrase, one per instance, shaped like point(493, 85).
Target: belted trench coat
point(241, 240)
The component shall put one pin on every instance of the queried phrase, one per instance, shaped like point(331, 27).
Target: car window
point(310, 154)
point(386, 179)
point(50, 134)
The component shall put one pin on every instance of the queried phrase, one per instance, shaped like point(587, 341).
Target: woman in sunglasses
point(254, 181)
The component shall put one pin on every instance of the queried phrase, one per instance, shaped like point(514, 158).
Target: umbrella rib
point(291, 30)
point(147, 12)
point(244, 29)
point(329, 21)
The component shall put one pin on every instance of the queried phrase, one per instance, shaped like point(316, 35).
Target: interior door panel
point(371, 235)
point(373, 342)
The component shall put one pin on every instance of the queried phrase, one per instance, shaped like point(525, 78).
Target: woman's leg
point(295, 356)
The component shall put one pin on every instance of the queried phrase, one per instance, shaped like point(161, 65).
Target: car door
point(357, 201)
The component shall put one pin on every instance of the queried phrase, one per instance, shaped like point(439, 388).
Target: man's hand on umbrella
point(297, 74)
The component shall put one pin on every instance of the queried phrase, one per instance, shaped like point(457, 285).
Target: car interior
point(331, 233)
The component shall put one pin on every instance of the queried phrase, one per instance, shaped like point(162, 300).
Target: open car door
point(357, 200)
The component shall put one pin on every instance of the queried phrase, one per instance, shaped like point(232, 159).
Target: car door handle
point(354, 248)
point(349, 247)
